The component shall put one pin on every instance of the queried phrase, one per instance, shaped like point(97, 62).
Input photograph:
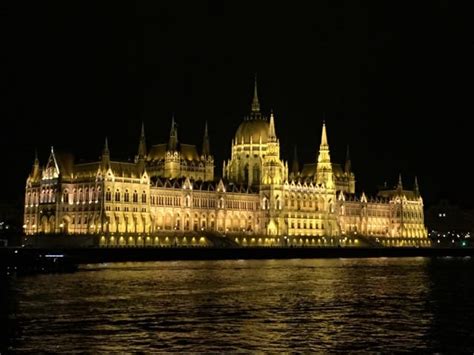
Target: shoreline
point(98, 255)
point(31, 261)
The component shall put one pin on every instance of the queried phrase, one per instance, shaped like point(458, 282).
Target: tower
point(274, 174)
point(206, 150)
point(105, 155)
point(295, 168)
point(172, 167)
point(173, 140)
point(416, 189)
point(207, 157)
point(141, 156)
point(324, 174)
point(347, 165)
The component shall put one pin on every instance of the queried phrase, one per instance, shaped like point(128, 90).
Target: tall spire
point(106, 151)
point(36, 167)
point(36, 157)
point(400, 183)
point(324, 172)
point(295, 168)
point(324, 138)
point(106, 154)
point(206, 149)
point(255, 103)
point(348, 165)
point(415, 186)
point(271, 129)
point(142, 143)
point(173, 141)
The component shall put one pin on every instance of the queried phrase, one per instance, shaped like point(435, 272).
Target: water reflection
point(380, 304)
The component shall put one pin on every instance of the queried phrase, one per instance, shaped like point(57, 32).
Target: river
point(377, 304)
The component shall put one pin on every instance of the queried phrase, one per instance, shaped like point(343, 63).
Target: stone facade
point(169, 196)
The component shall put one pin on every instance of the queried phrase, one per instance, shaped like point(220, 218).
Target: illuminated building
point(169, 196)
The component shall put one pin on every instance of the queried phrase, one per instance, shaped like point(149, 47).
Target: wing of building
point(169, 195)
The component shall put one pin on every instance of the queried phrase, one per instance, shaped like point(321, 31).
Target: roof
point(389, 193)
point(188, 152)
point(254, 129)
point(65, 162)
point(125, 169)
point(310, 170)
point(199, 185)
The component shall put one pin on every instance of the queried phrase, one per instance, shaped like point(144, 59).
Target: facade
point(170, 196)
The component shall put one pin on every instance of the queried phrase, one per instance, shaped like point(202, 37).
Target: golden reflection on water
point(379, 304)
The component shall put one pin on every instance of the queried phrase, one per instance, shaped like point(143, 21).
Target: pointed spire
point(255, 103)
point(105, 155)
point(206, 149)
point(295, 168)
point(36, 167)
point(106, 151)
point(142, 143)
point(173, 141)
point(324, 138)
point(324, 173)
point(271, 129)
point(52, 162)
point(400, 183)
point(36, 157)
point(348, 165)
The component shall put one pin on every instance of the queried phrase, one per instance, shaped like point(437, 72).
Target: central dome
point(254, 129)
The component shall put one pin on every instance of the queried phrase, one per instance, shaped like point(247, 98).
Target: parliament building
point(170, 195)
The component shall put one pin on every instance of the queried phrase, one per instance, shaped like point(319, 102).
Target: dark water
point(379, 304)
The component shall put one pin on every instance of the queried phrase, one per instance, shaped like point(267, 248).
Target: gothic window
point(256, 174)
point(108, 195)
point(66, 196)
point(144, 197)
point(246, 173)
point(135, 196)
point(126, 196)
point(117, 196)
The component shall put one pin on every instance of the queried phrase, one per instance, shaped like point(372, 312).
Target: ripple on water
point(384, 305)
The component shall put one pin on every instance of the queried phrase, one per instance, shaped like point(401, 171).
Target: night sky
point(393, 80)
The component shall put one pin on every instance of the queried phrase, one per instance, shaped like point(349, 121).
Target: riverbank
point(28, 257)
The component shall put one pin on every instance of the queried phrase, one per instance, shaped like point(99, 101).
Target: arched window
point(135, 196)
point(256, 174)
point(74, 196)
point(108, 195)
point(143, 197)
point(117, 195)
point(126, 196)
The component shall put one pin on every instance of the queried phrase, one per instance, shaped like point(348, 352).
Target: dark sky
point(394, 80)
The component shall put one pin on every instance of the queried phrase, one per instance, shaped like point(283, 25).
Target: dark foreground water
point(379, 304)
